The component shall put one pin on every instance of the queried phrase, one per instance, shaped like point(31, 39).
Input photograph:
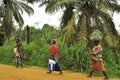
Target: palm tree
point(81, 17)
point(11, 10)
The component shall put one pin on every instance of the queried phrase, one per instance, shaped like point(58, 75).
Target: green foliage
point(94, 13)
point(72, 57)
point(6, 54)
point(10, 11)
point(37, 54)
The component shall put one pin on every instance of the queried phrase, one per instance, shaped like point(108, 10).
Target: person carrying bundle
point(54, 55)
point(96, 55)
point(17, 55)
point(18, 52)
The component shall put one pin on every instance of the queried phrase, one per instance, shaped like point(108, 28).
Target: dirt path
point(35, 73)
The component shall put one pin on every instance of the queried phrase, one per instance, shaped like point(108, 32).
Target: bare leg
point(50, 71)
point(58, 68)
point(105, 75)
point(90, 75)
point(17, 61)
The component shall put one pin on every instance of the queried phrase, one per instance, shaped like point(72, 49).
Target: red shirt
point(54, 49)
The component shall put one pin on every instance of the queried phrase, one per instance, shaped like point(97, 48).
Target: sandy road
point(35, 73)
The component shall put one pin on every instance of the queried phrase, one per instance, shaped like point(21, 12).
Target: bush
point(72, 58)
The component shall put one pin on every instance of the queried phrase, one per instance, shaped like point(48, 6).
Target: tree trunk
point(2, 36)
point(28, 35)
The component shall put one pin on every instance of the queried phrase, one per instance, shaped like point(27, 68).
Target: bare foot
point(49, 72)
point(89, 76)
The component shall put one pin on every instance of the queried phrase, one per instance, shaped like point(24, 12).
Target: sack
point(15, 50)
point(51, 61)
point(57, 68)
point(96, 35)
point(51, 65)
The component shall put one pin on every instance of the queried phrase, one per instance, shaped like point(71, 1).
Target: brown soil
point(36, 73)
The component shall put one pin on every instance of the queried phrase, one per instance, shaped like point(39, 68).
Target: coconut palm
point(11, 10)
point(81, 17)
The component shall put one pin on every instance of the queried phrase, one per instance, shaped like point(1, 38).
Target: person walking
point(54, 55)
point(96, 55)
point(18, 52)
point(17, 55)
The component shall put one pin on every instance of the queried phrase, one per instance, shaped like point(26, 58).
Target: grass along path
point(35, 73)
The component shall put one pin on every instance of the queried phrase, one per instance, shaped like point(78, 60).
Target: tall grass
point(72, 58)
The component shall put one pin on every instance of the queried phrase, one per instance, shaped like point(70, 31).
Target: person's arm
point(90, 54)
point(51, 49)
point(93, 53)
point(56, 51)
point(98, 51)
point(51, 53)
point(56, 55)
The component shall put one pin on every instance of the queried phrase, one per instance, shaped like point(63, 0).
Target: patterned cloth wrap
point(16, 52)
point(97, 50)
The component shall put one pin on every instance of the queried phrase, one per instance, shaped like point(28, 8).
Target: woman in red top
point(54, 55)
point(54, 51)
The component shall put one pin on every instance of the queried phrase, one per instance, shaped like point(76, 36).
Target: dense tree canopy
point(11, 10)
point(81, 17)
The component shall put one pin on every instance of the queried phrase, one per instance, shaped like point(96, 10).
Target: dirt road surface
point(36, 73)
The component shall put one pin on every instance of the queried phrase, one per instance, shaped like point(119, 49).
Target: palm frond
point(99, 10)
point(115, 7)
point(112, 26)
point(109, 37)
point(43, 3)
point(83, 33)
point(55, 5)
point(32, 1)
point(111, 5)
point(18, 17)
point(69, 31)
point(107, 17)
point(26, 8)
point(15, 6)
point(67, 15)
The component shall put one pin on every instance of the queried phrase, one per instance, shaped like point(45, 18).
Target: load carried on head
point(96, 35)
